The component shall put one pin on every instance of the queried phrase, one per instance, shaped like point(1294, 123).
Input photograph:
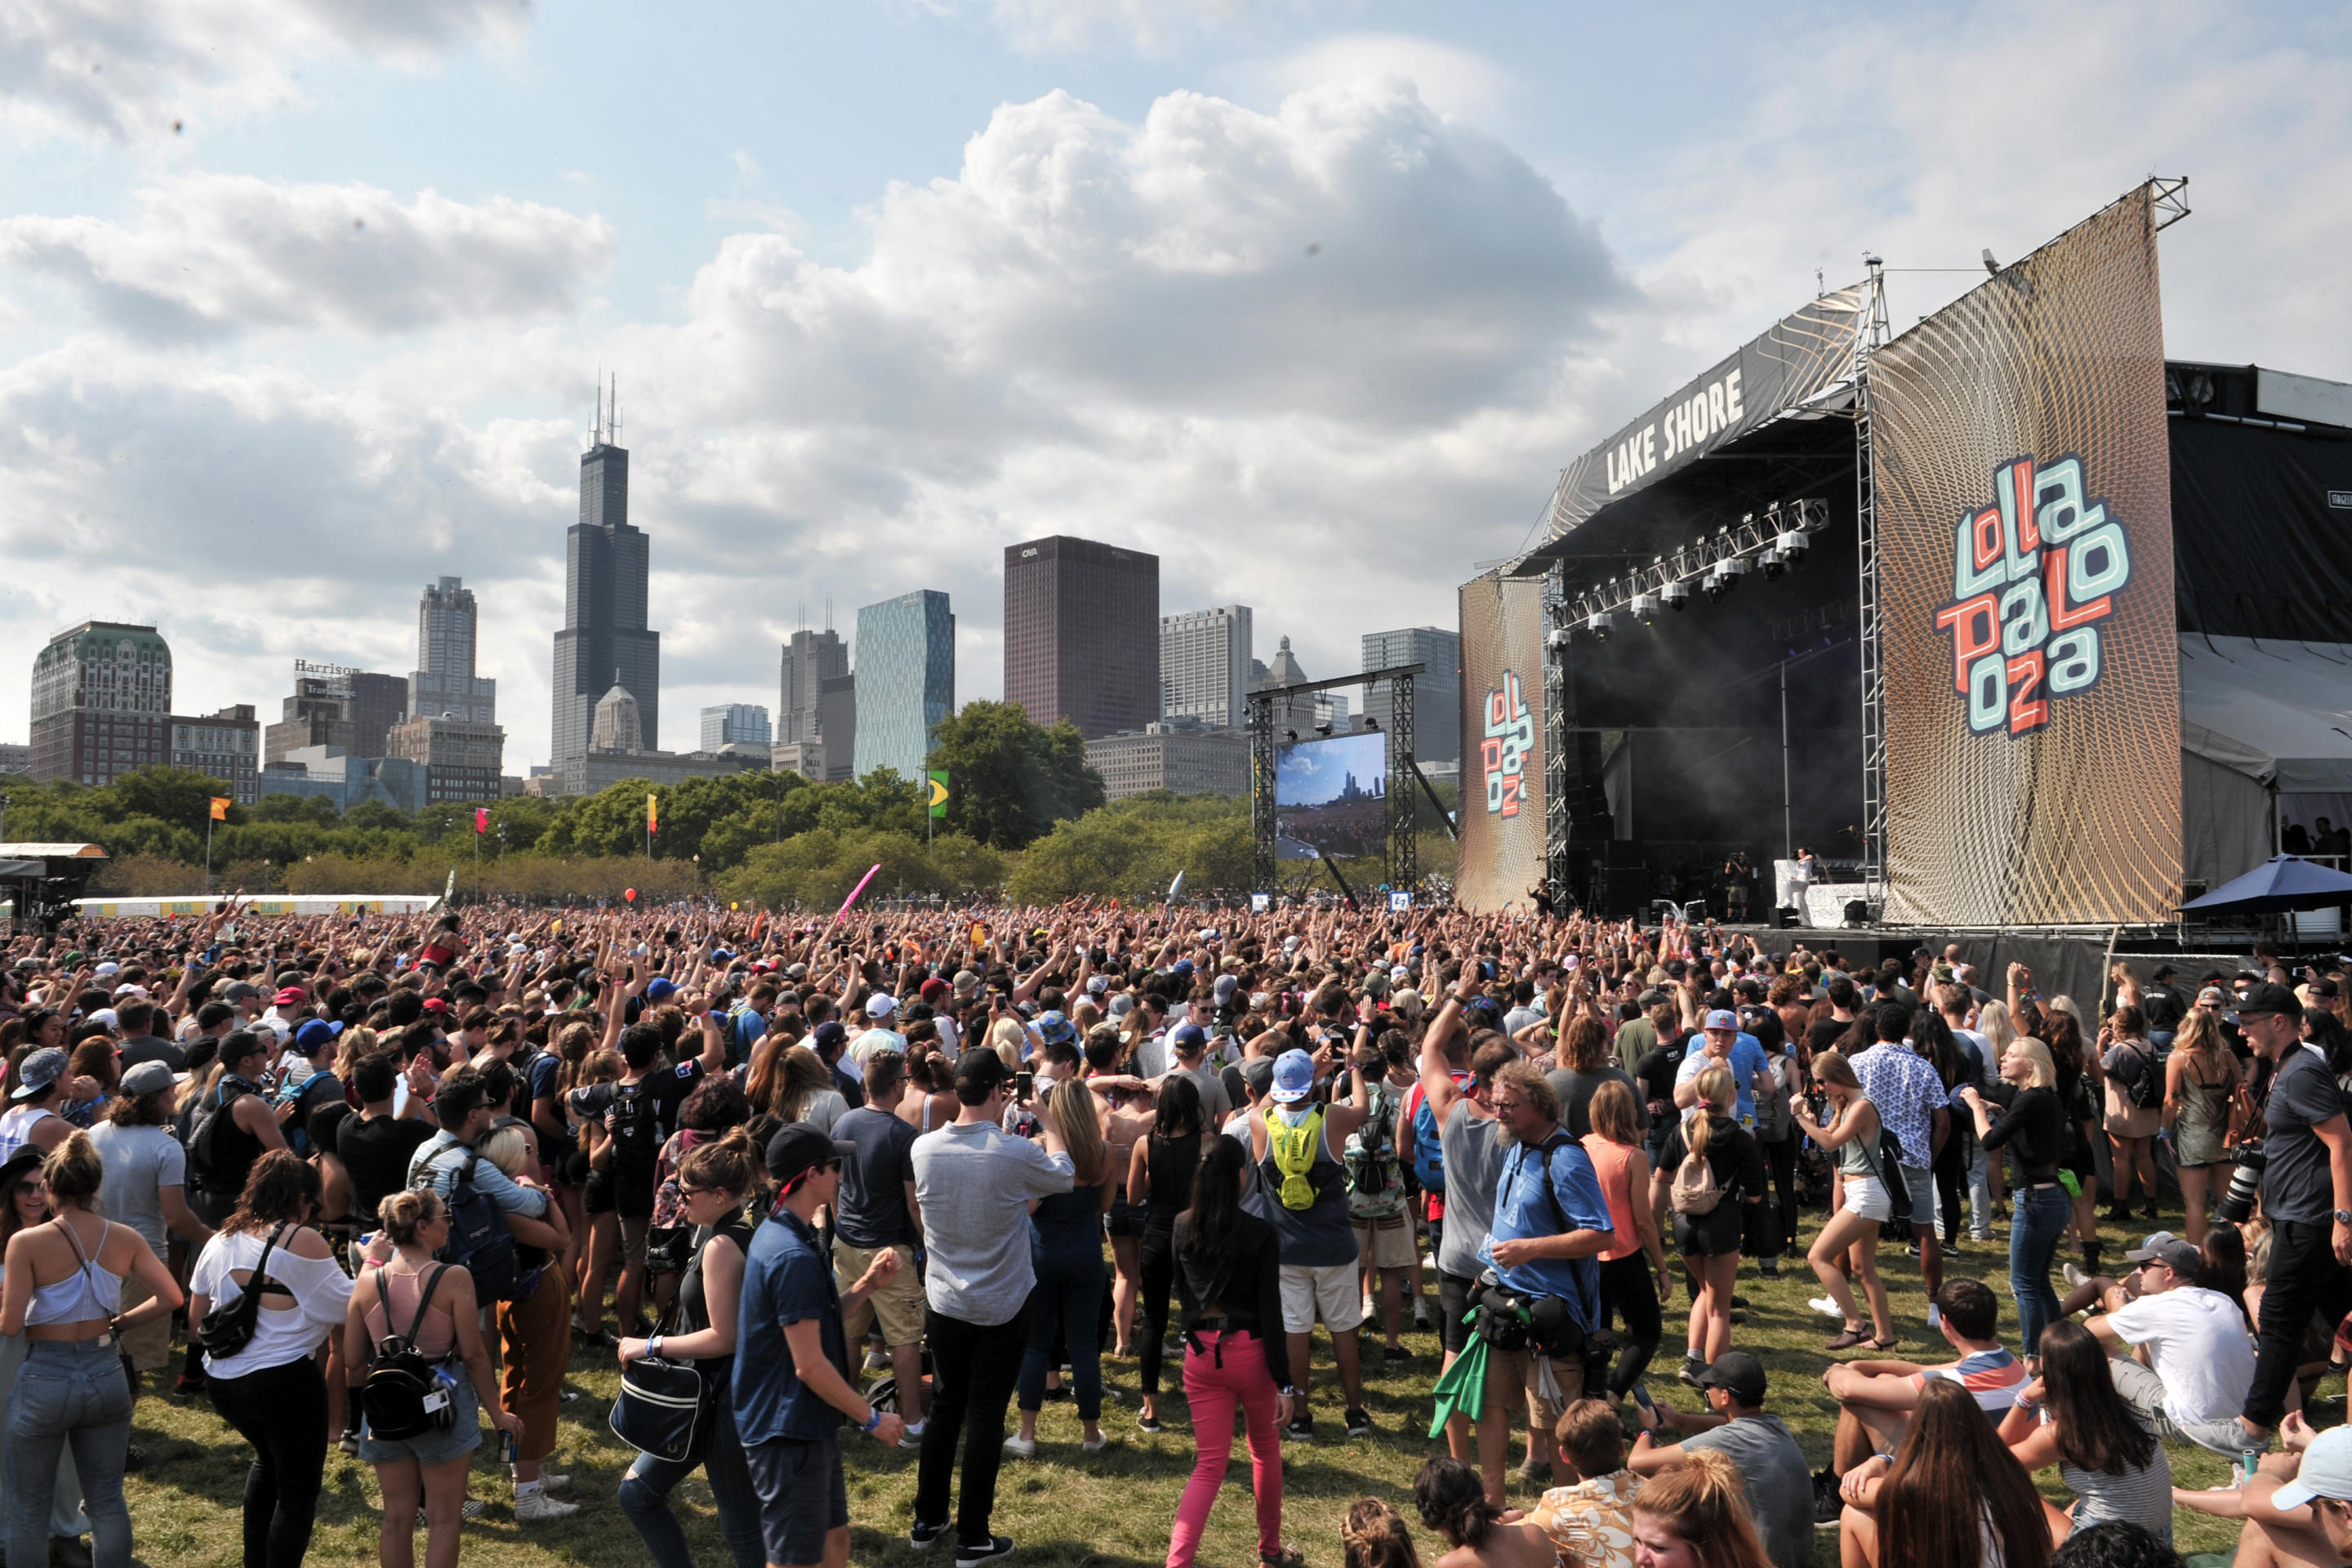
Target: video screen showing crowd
point(819, 1188)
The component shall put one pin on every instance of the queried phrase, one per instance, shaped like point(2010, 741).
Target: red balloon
point(630, 894)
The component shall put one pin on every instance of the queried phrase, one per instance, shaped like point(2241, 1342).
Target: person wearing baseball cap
point(794, 1385)
point(879, 1010)
point(1763, 1450)
point(2306, 1194)
point(1299, 1148)
point(1728, 1047)
point(2323, 1483)
point(146, 1189)
point(973, 1184)
point(2194, 1362)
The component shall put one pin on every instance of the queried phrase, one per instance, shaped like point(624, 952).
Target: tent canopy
point(2278, 713)
point(2287, 882)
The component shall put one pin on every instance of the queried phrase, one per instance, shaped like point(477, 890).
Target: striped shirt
point(1991, 1377)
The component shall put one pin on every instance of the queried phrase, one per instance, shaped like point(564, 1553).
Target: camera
point(2237, 1205)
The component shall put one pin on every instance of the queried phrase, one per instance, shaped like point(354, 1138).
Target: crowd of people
point(365, 1181)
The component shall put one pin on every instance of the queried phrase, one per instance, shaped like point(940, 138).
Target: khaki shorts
point(632, 1237)
point(1508, 1370)
point(1386, 1243)
point(149, 1346)
point(899, 1304)
point(1335, 1294)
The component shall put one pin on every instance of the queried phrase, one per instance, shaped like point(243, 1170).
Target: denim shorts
point(463, 1436)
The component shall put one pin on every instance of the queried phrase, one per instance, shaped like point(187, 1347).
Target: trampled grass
point(1066, 1509)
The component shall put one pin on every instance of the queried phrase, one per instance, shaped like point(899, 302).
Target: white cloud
point(206, 254)
point(132, 70)
point(1455, 82)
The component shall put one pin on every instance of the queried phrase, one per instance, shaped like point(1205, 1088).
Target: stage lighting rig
point(1775, 561)
point(1792, 545)
point(1601, 624)
point(1674, 595)
point(1645, 607)
point(1558, 637)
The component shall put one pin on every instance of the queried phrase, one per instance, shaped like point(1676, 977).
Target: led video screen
point(1334, 794)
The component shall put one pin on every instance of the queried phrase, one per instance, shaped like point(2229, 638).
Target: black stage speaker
point(1785, 917)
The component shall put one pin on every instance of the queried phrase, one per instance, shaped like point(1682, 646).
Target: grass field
point(1108, 1510)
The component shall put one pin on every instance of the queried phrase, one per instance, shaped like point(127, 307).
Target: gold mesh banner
point(1500, 856)
point(2026, 539)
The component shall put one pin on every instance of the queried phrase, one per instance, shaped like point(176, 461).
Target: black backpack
point(2144, 1084)
point(636, 1132)
point(228, 1327)
point(480, 1241)
point(401, 1397)
point(203, 1141)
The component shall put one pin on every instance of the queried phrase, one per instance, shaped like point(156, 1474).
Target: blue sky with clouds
point(301, 303)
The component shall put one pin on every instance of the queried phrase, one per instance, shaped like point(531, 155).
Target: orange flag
point(220, 807)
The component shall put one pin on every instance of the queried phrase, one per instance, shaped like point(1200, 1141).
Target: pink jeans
point(1229, 1368)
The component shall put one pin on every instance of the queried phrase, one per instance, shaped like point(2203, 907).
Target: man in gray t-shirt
point(1771, 1464)
point(973, 1184)
point(146, 1189)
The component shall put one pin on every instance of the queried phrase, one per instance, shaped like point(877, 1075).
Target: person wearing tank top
point(1466, 1139)
point(1302, 1192)
point(703, 1332)
point(64, 1281)
point(32, 1120)
point(1160, 1172)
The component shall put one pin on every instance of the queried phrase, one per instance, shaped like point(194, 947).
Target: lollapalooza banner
point(2025, 572)
point(1799, 358)
point(1500, 856)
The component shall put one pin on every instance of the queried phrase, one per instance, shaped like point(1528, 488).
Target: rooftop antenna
point(596, 431)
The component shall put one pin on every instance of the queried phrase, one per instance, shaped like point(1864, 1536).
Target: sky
point(304, 302)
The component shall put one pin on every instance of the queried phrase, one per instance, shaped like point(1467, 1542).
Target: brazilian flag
point(939, 793)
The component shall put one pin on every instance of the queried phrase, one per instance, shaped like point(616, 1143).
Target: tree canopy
point(1010, 780)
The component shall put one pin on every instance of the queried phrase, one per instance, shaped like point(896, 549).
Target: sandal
point(1886, 1344)
point(1846, 1340)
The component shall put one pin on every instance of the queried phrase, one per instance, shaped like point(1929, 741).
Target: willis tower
point(605, 641)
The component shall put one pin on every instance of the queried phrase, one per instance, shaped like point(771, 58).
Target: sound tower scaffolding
point(1402, 856)
point(1873, 651)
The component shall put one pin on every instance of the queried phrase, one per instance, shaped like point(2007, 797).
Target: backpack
point(2143, 1083)
point(1428, 1153)
point(298, 1131)
point(402, 1397)
point(204, 1140)
point(739, 1043)
point(1694, 1190)
point(480, 1241)
point(229, 1326)
point(636, 1132)
point(1371, 1159)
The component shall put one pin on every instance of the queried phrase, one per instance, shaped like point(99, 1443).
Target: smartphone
point(1642, 1397)
point(1024, 1084)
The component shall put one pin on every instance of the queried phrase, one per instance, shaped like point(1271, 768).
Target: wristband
point(873, 1419)
point(653, 1346)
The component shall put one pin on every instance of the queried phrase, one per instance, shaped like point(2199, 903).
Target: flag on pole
point(939, 793)
point(481, 819)
point(220, 807)
point(653, 819)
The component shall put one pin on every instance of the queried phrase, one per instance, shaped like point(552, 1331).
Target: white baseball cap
point(2326, 1471)
point(880, 1007)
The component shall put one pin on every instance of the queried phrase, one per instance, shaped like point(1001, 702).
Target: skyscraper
point(605, 641)
point(1436, 691)
point(1205, 666)
point(810, 660)
point(1081, 634)
point(101, 702)
point(444, 681)
point(905, 682)
point(1294, 714)
point(353, 710)
point(734, 723)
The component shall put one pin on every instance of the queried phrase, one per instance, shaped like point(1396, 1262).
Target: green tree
point(1009, 779)
point(817, 868)
point(316, 809)
point(377, 815)
point(1135, 845)
point(180, 796)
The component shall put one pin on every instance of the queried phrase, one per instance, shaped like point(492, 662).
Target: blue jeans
point(1980, 1194)
point(1068, 1297)
point(2037, 1220)
point(69, 1392)
point(645, 1497)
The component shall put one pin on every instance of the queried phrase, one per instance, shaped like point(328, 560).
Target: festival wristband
point(873, 1419)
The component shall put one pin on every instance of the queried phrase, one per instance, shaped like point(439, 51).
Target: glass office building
point(905, 679)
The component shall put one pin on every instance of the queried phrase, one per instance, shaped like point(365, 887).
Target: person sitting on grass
point(1452, 1501)
point(1696, 1516)
point(2297, 1510)
point(2114, 1544)
point(2187, 1358)
point(1591, 1523)
point(1950, 1494)
point(2105, 1451)
point(1875, 1398)
point(1770, 1465)
point(1374, 1535)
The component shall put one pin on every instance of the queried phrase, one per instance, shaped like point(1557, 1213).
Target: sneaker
point(1359, 1422)
point(350, 1441)
point(1769, 1268)
point(876, 1361)
point(1368, 1310)
point(1095, 1444)
point(1739, 1301)
point(535, 1507)
point(1395, 1354)
point(1827, 1504)
point(1147, 1423)
point(1935, 1316)
point(988, 1551)
point(1535, 1475)
point(922, 1535)
point(187, 1387)
point(1825, 1306)
point(1021, 1448)
point(1691, 1367)
point(550, 1482)
point(1302, 1426)
point(2075, 1278)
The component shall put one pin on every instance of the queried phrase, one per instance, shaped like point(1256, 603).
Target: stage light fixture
point(1775, 562)
point(1645, 607)
point(1557, 638)
point(1674, 595)
point(1323, 730)
point(1601, 624)
point(1792, 546)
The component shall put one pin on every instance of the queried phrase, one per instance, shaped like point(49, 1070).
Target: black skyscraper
point(605, 641)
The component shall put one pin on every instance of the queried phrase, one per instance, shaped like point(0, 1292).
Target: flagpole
point(208, 851)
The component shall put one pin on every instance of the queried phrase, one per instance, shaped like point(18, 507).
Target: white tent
point(2257, 718)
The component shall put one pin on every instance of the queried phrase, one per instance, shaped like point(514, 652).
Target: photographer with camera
point(2306, 1194)
point(1539, 1296)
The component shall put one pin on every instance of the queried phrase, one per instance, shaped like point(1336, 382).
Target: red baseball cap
point(292, 996)
point(437, 1003)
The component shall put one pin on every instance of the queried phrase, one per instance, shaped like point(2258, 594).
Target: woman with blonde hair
point(403, 1290)
point(1696, 1516)
point(64, 1284)
point(1849, 1242)
point(2202, 1092)
point(1066, 1253)
point(2035, 1128)
point(1718, 1171)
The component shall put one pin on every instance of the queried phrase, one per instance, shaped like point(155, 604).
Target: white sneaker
point(913, 1438)
point(2075, 1278)
point(1935, 1316)
point(1021, 1448)
point(1825, 1307)
point(1095, 1444)
point(548, 1480)
point(538, 1506)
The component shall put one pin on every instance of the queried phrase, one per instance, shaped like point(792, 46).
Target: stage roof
point(2276, 711)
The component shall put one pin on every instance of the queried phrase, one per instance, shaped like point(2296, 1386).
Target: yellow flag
point(653, 821)
point(220, 807)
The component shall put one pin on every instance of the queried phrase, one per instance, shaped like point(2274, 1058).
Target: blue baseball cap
point(1294, 1076)
point(1723, 1018)
point(1187, 1037)
point(1184, 967)
point(316, 1033)
point(660, 988)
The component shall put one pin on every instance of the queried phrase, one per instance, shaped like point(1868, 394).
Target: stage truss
point(1401, 859)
